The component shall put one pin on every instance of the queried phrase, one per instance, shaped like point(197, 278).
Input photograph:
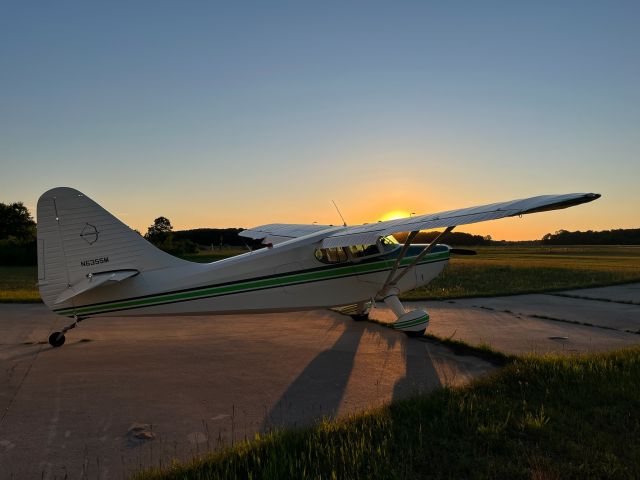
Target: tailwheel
point(56, 339)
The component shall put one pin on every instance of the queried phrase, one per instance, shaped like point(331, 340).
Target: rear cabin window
point(360, 251)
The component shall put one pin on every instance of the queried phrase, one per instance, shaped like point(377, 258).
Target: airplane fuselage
point(285, 277)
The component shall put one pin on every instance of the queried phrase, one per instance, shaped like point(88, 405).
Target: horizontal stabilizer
point(94, 280)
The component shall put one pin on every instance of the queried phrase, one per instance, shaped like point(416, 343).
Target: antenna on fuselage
point(344, 224)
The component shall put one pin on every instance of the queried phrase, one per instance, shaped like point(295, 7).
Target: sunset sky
point(243, 113)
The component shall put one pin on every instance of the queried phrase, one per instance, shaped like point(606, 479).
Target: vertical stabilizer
point(78, 238)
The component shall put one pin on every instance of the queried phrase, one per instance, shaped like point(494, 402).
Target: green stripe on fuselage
point(412, 323)
point(249, 285)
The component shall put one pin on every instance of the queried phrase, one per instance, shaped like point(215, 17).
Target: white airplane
point(92, 265)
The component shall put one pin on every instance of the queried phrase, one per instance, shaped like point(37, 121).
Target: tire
point(56, 339)
point(359, 317)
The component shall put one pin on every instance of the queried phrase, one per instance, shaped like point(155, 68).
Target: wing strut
point(391, 280)
point(401, 255)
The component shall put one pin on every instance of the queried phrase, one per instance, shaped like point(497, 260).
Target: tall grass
point(549, 417)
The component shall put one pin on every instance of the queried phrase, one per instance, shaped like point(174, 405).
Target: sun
point(394, 214)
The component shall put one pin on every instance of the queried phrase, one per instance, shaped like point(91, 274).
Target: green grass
point(539, 417)
point(515, 270)
point(18, 284)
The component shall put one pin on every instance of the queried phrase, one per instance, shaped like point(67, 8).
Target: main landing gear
point(412, 323)
point(361, 311)
point(415, 322)
point(56, 339)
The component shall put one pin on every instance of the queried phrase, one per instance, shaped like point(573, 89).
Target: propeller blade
point(462, 251)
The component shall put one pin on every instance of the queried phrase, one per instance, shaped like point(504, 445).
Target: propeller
point(462, 251)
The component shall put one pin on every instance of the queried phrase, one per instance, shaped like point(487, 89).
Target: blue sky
point(237, 114)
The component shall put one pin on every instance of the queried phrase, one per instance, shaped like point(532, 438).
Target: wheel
point(419, 333)
point(56, 339)
point(358, 317)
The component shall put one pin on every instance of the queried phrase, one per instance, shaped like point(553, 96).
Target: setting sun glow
point(394, 214)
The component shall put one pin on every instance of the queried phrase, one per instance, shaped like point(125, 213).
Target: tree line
point(18, 237)
point(182, 242)
point(620, 236)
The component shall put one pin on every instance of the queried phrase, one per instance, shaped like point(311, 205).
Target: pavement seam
point(595, 299)
point(555, 319)
point(24, 377)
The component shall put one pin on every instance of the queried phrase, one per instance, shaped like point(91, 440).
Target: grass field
point(537, 418)
point(18, 284)
point(513, 270)
point(494, 271)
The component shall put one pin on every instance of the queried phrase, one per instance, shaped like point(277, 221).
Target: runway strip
point(125, 393)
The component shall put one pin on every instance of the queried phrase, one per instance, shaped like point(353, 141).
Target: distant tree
point(159, 231)
point(16, 222)
point(162, 236)
point(17, 235)
point(212, 236)
point(456, 239)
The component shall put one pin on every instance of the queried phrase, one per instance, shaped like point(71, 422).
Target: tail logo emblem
point(89, 234)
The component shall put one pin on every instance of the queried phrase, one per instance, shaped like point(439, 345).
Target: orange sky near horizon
point(591, 216)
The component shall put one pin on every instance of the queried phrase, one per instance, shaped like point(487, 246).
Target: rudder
point(77, 237)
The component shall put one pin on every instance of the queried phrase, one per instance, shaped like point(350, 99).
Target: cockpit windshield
point(389, 243)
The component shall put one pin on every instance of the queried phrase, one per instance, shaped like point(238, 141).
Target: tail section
point(78, 239)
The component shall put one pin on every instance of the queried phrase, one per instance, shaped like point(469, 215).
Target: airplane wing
point(369, 233)
point(281, 232)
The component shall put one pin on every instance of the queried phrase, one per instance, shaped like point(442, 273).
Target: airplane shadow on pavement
point(317, 392)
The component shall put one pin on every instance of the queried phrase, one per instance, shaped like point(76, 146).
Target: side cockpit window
point(331, 255)
point(355, 253)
